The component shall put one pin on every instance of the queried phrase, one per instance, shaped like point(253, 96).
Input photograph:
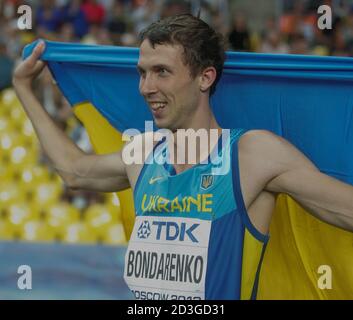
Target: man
point(197, 235)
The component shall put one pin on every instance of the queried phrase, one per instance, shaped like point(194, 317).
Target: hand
point(30, 68)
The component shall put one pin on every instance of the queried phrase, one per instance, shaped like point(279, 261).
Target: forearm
point(325, 197)
point(339, 218)
point(79, 170)
point(62, 152)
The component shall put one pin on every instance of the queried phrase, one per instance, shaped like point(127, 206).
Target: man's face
point(167, 86)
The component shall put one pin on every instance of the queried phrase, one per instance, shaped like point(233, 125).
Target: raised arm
point(287, 170)
point(78, 169)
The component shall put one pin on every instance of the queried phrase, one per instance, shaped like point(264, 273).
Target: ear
point(207, 77)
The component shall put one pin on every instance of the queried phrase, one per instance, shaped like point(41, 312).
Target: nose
point(147, 85)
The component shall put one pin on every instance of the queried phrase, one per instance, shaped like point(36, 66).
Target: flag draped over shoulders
point(306, 99)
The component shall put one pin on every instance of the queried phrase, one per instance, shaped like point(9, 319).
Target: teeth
point(157, 105)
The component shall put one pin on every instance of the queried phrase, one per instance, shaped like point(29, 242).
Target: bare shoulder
point(258, 148)
point(265, 145)
point(255, 171)
point(269, 155)
point(260, 140)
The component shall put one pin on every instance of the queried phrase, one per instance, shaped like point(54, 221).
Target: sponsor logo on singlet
point(167, 258)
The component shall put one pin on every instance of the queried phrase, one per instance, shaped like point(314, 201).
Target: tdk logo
point(173, 231)
point(144, 230)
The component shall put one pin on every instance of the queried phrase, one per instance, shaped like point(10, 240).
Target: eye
point(162, 71)
point(141, 72)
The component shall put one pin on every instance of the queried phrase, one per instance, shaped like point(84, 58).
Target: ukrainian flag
point(307, 100)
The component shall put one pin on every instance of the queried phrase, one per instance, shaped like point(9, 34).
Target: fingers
point(39, 66)
point(36, 53)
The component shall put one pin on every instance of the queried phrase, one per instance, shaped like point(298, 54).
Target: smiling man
point(197, 234)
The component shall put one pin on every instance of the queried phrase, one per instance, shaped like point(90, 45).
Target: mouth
point(157, 107)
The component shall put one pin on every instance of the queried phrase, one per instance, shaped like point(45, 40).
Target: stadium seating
point(114, 235)
point(31, 205)
point(59, 216)
point(37, 231)
point(6, 230)
point(99, 218)
point(20, 213)
point(78, 232)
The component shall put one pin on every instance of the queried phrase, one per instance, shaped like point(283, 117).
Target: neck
point(197, 143)
point(201, 118)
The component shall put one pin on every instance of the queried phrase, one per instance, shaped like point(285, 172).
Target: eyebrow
point(157, 66)
point(140, 69)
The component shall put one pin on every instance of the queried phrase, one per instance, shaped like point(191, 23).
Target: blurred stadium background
point(44, 224)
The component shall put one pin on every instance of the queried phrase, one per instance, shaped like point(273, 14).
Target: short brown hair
point(203, 46)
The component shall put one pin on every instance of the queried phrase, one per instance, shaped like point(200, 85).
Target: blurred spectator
point(298, 45)
point(339, 44)
point(143, 14)
point(74, 14)
point(129, 40)
point(290, 19)
point(173, 7)
point(6, 66)
point(104, 37)
point(67, 33)
point(239, 37)
point(217, 22)
point(12, 37)
point(49, 16)
point(118, 23)
point(271, 23)
point(348, 31)
point(97, 35)
point(273, 43)
point(206, 11)
point(94, 11)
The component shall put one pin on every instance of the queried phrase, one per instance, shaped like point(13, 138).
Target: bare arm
point(289, 171)
point(326, 198)
point(78, 169)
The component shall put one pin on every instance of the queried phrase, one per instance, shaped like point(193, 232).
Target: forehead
point(166, 54)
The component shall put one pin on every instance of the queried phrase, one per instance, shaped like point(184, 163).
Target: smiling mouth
point(155, 106)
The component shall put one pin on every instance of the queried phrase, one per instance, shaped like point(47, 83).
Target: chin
point(162, 124)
